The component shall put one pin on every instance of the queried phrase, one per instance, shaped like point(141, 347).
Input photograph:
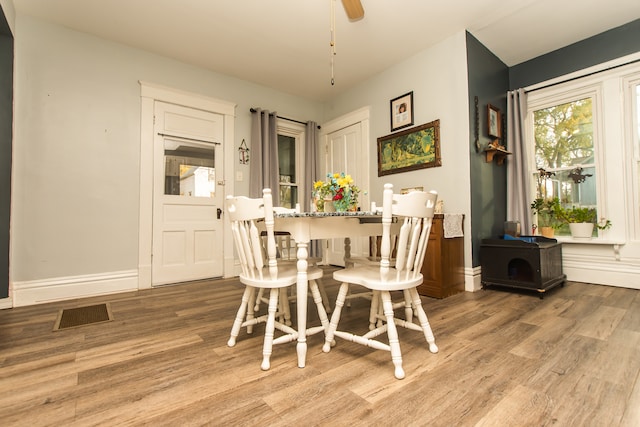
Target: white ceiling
point(284, 44)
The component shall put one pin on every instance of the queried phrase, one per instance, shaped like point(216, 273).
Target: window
point(584, 136)
point(189, 169)
point(290, 160)
point(565, 154)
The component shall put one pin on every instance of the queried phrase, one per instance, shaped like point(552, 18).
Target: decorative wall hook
point(243, 153)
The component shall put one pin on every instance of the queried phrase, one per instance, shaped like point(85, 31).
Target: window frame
point(631, 87)
point(561, 94)
point(298, 132)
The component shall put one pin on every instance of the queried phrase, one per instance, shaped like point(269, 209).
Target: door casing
point(150, 93)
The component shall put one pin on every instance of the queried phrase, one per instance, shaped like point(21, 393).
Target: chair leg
point(259, 299)
point(374, 310)
point(237, 323)
point(335, 317)
point(392, 333)
point(325, 298)
point(269, 329)
point(285, 308)
point(317, 298)
point(424, 321)
point(250, 309)
point(408, 309)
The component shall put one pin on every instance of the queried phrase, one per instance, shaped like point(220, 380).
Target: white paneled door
point(187, 194)
point(344, 154)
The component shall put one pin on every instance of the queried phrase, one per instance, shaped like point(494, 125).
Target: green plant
point(548, 212)
point(583, 214)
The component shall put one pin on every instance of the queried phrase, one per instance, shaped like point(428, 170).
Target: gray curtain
point(310, 176)
point(518, 180)
point(310, 162)
point(264, 171)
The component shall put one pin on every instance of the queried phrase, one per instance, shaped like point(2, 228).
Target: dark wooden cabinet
point(443, 267)
point(531, 262)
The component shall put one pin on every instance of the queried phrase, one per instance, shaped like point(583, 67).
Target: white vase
point(581, 230)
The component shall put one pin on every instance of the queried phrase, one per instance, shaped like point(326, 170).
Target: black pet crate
point(530, 263)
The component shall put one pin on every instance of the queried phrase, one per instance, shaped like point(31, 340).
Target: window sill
point(615, 244)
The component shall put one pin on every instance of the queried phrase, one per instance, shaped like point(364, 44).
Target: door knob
point(219, 213)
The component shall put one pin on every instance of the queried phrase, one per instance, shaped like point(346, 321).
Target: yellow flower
point(318, 184)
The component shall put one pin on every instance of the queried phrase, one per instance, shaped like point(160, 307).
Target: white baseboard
point(64, 288)
point(472, 279)
point(610, 273)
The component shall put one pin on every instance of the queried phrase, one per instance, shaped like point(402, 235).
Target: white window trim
point(617, 190)
point(632, 138)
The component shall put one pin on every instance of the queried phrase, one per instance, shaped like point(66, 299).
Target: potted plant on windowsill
point(547, 211)
point(582, 220)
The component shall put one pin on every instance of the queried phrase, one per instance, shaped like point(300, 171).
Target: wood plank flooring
point(506, 359)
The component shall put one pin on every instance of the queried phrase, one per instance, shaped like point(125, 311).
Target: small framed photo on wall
point(402, 111)
point(493, 121)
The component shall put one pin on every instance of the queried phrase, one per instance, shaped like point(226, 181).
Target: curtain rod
point(253, 110)
point(613, 67)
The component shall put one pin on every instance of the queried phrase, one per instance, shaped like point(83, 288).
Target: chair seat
point(370, 278)
point(287, 276)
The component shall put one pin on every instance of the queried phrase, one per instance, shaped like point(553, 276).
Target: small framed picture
point(493, 121)
point(402, 111)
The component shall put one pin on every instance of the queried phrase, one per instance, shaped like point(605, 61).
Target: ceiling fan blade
point(354, 9)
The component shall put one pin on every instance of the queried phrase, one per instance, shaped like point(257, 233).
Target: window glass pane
point(638, 115)
point(189, 169)
point(287, 158)
point(288, 196)
point(287, 165)
point(564, 135)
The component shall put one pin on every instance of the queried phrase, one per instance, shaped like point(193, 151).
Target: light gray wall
point(438, 79)
point(77, 145)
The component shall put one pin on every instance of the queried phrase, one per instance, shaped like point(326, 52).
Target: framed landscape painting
point(410, 149)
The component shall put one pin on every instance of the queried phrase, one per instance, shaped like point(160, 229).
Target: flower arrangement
point(340, 188)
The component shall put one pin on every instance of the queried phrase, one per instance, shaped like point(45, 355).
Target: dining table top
point(363, 214)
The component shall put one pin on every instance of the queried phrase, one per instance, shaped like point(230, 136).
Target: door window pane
point(189, 169)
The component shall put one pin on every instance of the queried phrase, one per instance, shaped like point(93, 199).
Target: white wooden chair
point(415, 212)
point(264, 272)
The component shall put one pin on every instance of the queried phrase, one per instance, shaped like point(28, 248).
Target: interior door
point(344, 148)
point(187, 196)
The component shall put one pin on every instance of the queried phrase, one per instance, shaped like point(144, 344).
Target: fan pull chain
point(332, 40)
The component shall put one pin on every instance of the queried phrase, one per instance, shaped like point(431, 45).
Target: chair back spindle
point(415, 210)
point(244, 213)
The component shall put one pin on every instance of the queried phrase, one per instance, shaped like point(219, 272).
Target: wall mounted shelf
point(498, 153)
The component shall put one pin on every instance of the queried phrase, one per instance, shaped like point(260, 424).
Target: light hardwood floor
point(505, 358)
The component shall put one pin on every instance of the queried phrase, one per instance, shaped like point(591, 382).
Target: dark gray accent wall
point(488, 80)
point(6, 120)
point(612, 44)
